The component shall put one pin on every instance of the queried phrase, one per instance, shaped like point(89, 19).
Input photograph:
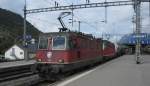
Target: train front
point(52, 54)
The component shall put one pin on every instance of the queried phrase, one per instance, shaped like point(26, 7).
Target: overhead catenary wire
point(46, 25)
point(43, 20)
point(76, 17)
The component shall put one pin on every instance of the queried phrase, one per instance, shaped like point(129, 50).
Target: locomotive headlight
point(39, 60)
point(49, 54)
point(61, 61)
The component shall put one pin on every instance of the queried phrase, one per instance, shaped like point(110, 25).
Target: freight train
point(61, 52)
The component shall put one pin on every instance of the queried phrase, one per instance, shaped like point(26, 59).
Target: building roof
point(131, 39)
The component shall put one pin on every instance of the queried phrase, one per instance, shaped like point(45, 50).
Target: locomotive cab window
point(59, 43)
point(43, 43)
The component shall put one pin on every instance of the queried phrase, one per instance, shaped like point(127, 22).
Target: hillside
point(11, 29)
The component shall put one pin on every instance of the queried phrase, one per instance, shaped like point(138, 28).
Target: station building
point(130, 41)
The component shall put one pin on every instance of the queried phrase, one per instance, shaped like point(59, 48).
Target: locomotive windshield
point(59, 43)
point(43, 43)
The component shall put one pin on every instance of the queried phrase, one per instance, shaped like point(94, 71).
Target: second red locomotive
point(109, 51)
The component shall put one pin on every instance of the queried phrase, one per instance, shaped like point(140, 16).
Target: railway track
point(24, 77)
point(33, 81)
point(11, 73)
point(68, 76)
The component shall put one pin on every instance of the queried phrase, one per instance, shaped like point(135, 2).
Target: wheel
point(48, 77)
point(34, 68)
point(42, 76)
point(104, 59)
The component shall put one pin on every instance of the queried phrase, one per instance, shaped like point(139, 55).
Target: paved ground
point(119, 72)
point(15, 63)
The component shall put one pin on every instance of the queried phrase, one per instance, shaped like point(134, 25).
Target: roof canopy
point(131, 39)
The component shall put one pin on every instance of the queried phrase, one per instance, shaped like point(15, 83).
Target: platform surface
point(122, 71)
point(16, 63)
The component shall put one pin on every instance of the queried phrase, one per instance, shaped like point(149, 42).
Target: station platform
point(122, 71)
point(16, 63)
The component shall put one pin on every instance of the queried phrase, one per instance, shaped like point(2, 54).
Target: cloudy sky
point(119, 18)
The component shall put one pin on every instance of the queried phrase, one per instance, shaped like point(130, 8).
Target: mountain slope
point(11, 29)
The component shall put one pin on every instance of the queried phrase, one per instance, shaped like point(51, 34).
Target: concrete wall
point(14, 53)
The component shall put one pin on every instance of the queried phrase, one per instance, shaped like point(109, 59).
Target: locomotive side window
point(104, 45)
point(58, 43)
point(72, 43)
point(43, 43)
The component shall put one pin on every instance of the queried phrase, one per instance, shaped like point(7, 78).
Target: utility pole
point(149, 13)
point(106, 12)
point(79, 25)
point(102, 45)
point(72, 15)
point(138, 30)
point(149, 9)
point(24, 35)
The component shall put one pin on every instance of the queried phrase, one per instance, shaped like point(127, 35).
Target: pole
point(24, 34)
point(149, 13)
point(72, 15)
point(103, 47)
point(105, 12)
point(79, 25)
point(149, 9)
point(138, 30)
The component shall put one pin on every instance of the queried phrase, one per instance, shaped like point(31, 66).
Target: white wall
point(14, 53)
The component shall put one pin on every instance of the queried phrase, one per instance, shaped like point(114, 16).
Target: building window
point(21, 53)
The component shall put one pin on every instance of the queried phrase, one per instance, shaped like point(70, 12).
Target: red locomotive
point(60, 52)
point(65, 51)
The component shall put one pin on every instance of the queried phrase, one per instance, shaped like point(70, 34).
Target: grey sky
point(119, 18)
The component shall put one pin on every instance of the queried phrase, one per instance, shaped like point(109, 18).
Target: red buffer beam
point(91, 5)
